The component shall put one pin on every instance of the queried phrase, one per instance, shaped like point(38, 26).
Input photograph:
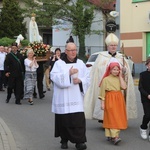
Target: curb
point(7, 141)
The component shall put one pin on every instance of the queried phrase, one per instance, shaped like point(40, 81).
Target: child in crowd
point(144, 88)
point(113, 102)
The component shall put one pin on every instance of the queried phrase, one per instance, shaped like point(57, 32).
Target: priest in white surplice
point(70, 79)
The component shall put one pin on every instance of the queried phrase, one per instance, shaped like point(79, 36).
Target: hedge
point(5, 41)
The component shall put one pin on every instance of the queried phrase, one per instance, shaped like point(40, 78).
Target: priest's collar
point(113, 55)
point(64, 58)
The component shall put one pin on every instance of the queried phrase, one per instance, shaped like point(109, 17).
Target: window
point(136, 1)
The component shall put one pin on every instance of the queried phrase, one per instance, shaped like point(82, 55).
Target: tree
point(79, 13)
point(45, 10)
point(11, 19)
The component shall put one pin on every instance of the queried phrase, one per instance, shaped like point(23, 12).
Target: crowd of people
point(106, 93)
point(20, 74)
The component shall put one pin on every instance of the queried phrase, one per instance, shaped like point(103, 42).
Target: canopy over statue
point(34, 35)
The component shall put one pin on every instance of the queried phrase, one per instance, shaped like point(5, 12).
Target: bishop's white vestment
point(92, 103)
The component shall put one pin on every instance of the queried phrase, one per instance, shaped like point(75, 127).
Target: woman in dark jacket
point(55, 57)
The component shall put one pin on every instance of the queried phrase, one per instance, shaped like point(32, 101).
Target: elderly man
point(70, 78)
point(91, 102)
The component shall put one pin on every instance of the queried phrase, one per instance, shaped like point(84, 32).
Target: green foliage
point(80, 14)
point(11, 19)
point(5, 41)
point(48, 9)
point(25, 42)
point(30, 7)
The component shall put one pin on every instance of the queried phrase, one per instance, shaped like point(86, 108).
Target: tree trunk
point(81, 53)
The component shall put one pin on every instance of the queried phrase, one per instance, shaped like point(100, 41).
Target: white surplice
point(67, 97)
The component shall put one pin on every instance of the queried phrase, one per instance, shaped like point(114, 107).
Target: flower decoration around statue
point(40, 49)
point(23, 51)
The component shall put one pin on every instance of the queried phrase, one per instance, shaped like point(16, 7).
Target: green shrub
point(5, 41)
point(25, 42)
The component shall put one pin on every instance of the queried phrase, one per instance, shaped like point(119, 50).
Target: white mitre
point(111, 39)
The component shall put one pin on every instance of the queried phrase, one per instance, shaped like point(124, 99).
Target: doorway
point(47, 38)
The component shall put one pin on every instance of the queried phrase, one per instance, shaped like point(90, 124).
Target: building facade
point(94, 42)
point(135, 29)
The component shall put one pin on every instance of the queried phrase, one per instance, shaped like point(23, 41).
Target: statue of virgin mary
point(33, 31)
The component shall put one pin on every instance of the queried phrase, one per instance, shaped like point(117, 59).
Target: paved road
point(33, 127)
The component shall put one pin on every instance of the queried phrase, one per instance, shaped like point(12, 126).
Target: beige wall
point(133, 26)
point(134, 18)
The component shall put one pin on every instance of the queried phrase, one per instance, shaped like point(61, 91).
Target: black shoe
point(2, 90)
point(34, 96)
point(5, 86)
point(7, 100)
point(64, 146)
point(42, 96)
point(109, 138)
point(81, 146)
point(100, 121)
point(18, 103)
point(44, 91)
point(48, 89)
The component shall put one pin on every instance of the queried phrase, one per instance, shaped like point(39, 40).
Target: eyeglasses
point(113, 45)
point(71, 50)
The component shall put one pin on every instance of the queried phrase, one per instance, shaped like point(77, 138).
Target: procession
point(74, 79)
point(69, 74)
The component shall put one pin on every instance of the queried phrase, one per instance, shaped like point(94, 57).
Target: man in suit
point(14, 70)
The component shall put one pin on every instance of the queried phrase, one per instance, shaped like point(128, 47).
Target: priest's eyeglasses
point(71, 50)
